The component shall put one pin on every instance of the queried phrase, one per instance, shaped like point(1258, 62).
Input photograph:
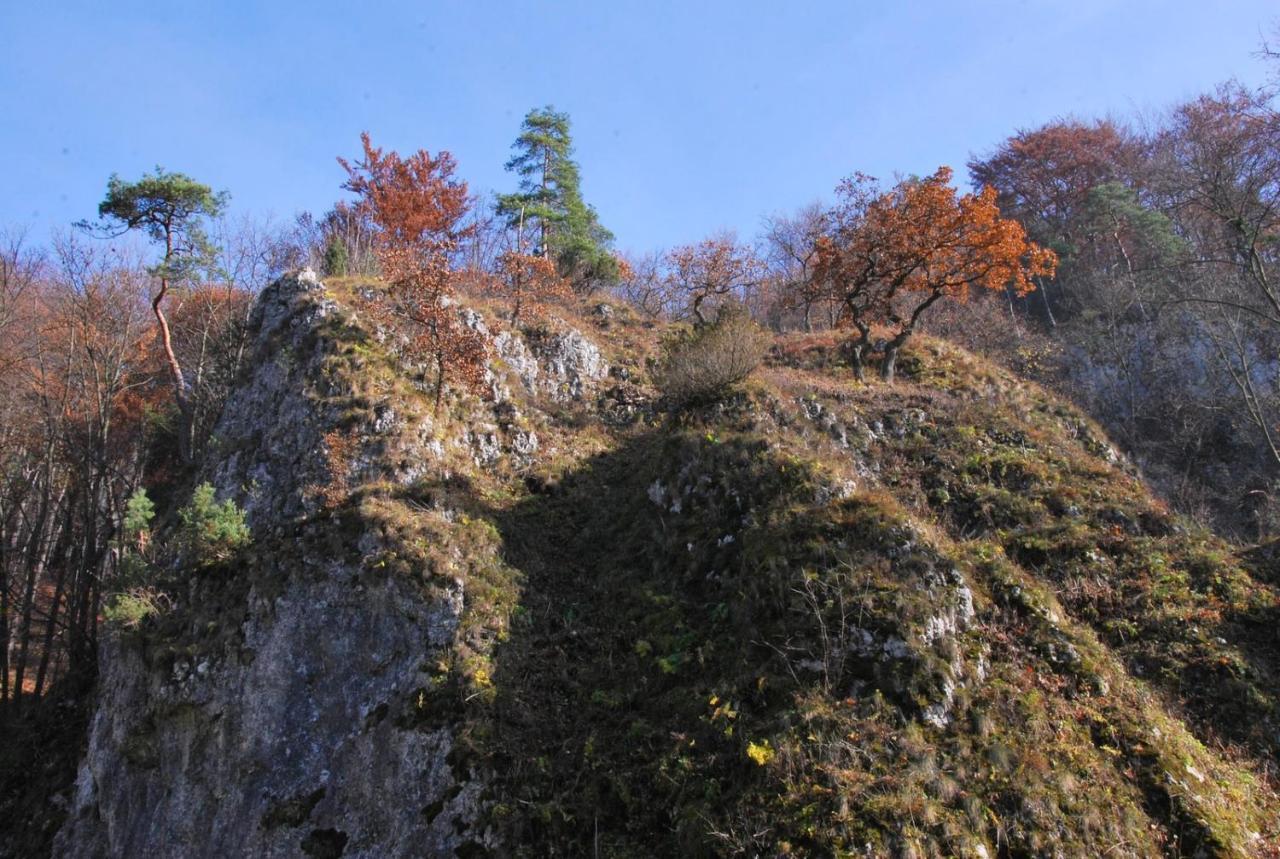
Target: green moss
point(699, 639)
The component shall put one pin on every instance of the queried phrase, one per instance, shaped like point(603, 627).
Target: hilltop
point(820, 617)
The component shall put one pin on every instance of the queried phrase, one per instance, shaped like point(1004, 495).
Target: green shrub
point(209, 531)
point(138, 513)
point(704, 364)
point(136, 551)
point(128, 609)
point(335, 262)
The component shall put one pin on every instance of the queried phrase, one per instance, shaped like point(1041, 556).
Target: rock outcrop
point(815, 618)
point(284, 733)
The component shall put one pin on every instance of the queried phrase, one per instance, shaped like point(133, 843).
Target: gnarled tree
point(698, 277)
point(891, 256)
point(170, 208)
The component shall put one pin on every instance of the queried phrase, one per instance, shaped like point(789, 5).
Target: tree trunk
point(1044, 296)
point(47, 547)
point(34, 553)
point(697, 311)
point(542, 222)
point(175, 369)
point(51, 622)
point(858, 351)
point(99, 525)
point(4, 619)
point(518, 284)
point(439, 381)
point(888, 368)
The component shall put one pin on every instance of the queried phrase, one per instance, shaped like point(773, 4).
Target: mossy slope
point(941, 618)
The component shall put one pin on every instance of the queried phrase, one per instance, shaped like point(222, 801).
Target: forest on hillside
point(1131, 264)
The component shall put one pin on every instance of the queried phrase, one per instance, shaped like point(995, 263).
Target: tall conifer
point(550, 202)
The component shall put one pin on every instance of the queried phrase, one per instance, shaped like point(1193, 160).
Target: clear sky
point(688, 117)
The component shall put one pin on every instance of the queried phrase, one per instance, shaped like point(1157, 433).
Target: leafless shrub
point(704, 364)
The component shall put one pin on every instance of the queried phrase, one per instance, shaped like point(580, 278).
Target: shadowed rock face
point(284, 741)
point(219, 758)
point(815, 618)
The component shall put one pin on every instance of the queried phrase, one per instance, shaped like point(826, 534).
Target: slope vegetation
point(935, 619)
point(822, 618)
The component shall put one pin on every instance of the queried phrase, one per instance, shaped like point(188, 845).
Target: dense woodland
point(1132, 265)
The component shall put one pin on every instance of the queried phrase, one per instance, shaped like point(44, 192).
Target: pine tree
point(336, 259)
point(550, 201)
point(171, 209)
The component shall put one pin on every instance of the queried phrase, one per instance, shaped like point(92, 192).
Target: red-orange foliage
point(415, 201)
point(417, 206)
point(625, 270)
point(1044, 176)
point(80, 377)
point(711, 270)
point(893, 255)
point(532, 278)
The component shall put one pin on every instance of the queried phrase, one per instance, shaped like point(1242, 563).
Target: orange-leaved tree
point(891, 256)
point(710, 271)
point(417, 206)
point(529, 277)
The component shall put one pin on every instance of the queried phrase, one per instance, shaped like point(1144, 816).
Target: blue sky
point(689, 117)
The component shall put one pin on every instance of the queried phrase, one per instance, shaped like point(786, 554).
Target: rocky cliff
point(939, 618)
point(265, 715)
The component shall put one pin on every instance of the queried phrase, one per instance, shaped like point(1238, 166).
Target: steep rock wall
point(286, 723)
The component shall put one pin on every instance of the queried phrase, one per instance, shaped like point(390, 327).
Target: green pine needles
point(210, 531)
point(549, 204)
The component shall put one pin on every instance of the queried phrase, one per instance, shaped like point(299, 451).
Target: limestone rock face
point(283, 734)
point(562, 365)
point(810, 619)
point(571, 363)
point(271, 429)
point(297, 722)
point(219, 758)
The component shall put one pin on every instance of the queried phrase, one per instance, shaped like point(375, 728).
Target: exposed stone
point(484, 444)
point(524, 444)
point(273, 745)
point(562, 366)
point(570, 363)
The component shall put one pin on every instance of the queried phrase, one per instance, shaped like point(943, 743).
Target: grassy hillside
point(822, 618)
point(939, 618)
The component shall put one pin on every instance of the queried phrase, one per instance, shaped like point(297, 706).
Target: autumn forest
point(1128, 265)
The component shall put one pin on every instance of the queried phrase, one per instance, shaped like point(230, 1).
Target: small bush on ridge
point(704, 364)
